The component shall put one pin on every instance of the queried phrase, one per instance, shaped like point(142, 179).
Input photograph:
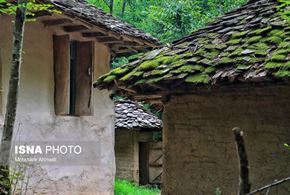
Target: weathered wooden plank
point(155, 162)
point(61, 74)
point(75, 28)
point(143, 163)
point(108, 40)
point(83, 104)
point(55, 22)
point(94, 34)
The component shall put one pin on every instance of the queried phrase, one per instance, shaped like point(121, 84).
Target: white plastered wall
point(36, 120)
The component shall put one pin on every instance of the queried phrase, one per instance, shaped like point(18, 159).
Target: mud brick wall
point(127, 156)
point(200, 153)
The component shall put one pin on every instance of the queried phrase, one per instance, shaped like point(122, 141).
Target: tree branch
point(269, 185)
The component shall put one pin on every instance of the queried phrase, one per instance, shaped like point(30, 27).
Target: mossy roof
point(250, 44)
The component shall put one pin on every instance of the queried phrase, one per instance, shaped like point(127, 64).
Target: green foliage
point(31, 6)
point(169, 20)
point(123, 187)
point(286, 146)
point(5, 181)
point(116, 62)
point(218, 191)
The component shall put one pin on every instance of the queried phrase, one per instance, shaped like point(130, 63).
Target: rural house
point(232, 73)
point(138, 154)
point(63, 53)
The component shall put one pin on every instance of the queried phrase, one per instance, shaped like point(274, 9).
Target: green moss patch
point(209, 70)
point(239, 34)
point(234, 41)
point(120, 70)
point(159, 72)
point(147, 65)
point(261, 31)
point(109, 78)
point(278, 33)
point(254, 39)
point(198, 78)
point(282, 73)
point(278, 57)
point(272, 65)
point(131, 75)
point(273, 39)
point(225, 61)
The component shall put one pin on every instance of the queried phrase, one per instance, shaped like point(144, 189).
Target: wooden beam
point(113, 42)
point(132, 49)
point(113, 53)
point(56, 22)
point(126, 89)
point(75, 28)
point(124, 51)
point(124, 44)
point(108, 40)
point(94, 34)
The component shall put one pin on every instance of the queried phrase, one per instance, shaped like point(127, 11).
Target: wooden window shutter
point(61, 74)
point(83, 104)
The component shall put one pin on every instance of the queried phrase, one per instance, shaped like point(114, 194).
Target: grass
point(123, 187)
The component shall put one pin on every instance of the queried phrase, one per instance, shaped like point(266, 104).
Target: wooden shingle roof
point(132, 115)
point(250, 44)
point(98, 17)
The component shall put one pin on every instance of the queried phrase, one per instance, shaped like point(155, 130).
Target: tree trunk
point(123, 8)
point(12, 95)
point(111, 6)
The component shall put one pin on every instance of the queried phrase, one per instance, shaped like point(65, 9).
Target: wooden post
point(84, 69)
point(244, 184)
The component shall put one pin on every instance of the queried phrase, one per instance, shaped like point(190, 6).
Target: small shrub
point(123, 187)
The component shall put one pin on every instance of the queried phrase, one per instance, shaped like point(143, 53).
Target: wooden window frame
point(73, 65)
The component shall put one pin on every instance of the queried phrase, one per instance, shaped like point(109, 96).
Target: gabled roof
point(132, 115)
point(250, 44)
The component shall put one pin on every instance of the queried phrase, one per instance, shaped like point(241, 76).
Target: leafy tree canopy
point(8, 7)
point(167, 20)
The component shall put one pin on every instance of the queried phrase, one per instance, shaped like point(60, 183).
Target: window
point(73, 77)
